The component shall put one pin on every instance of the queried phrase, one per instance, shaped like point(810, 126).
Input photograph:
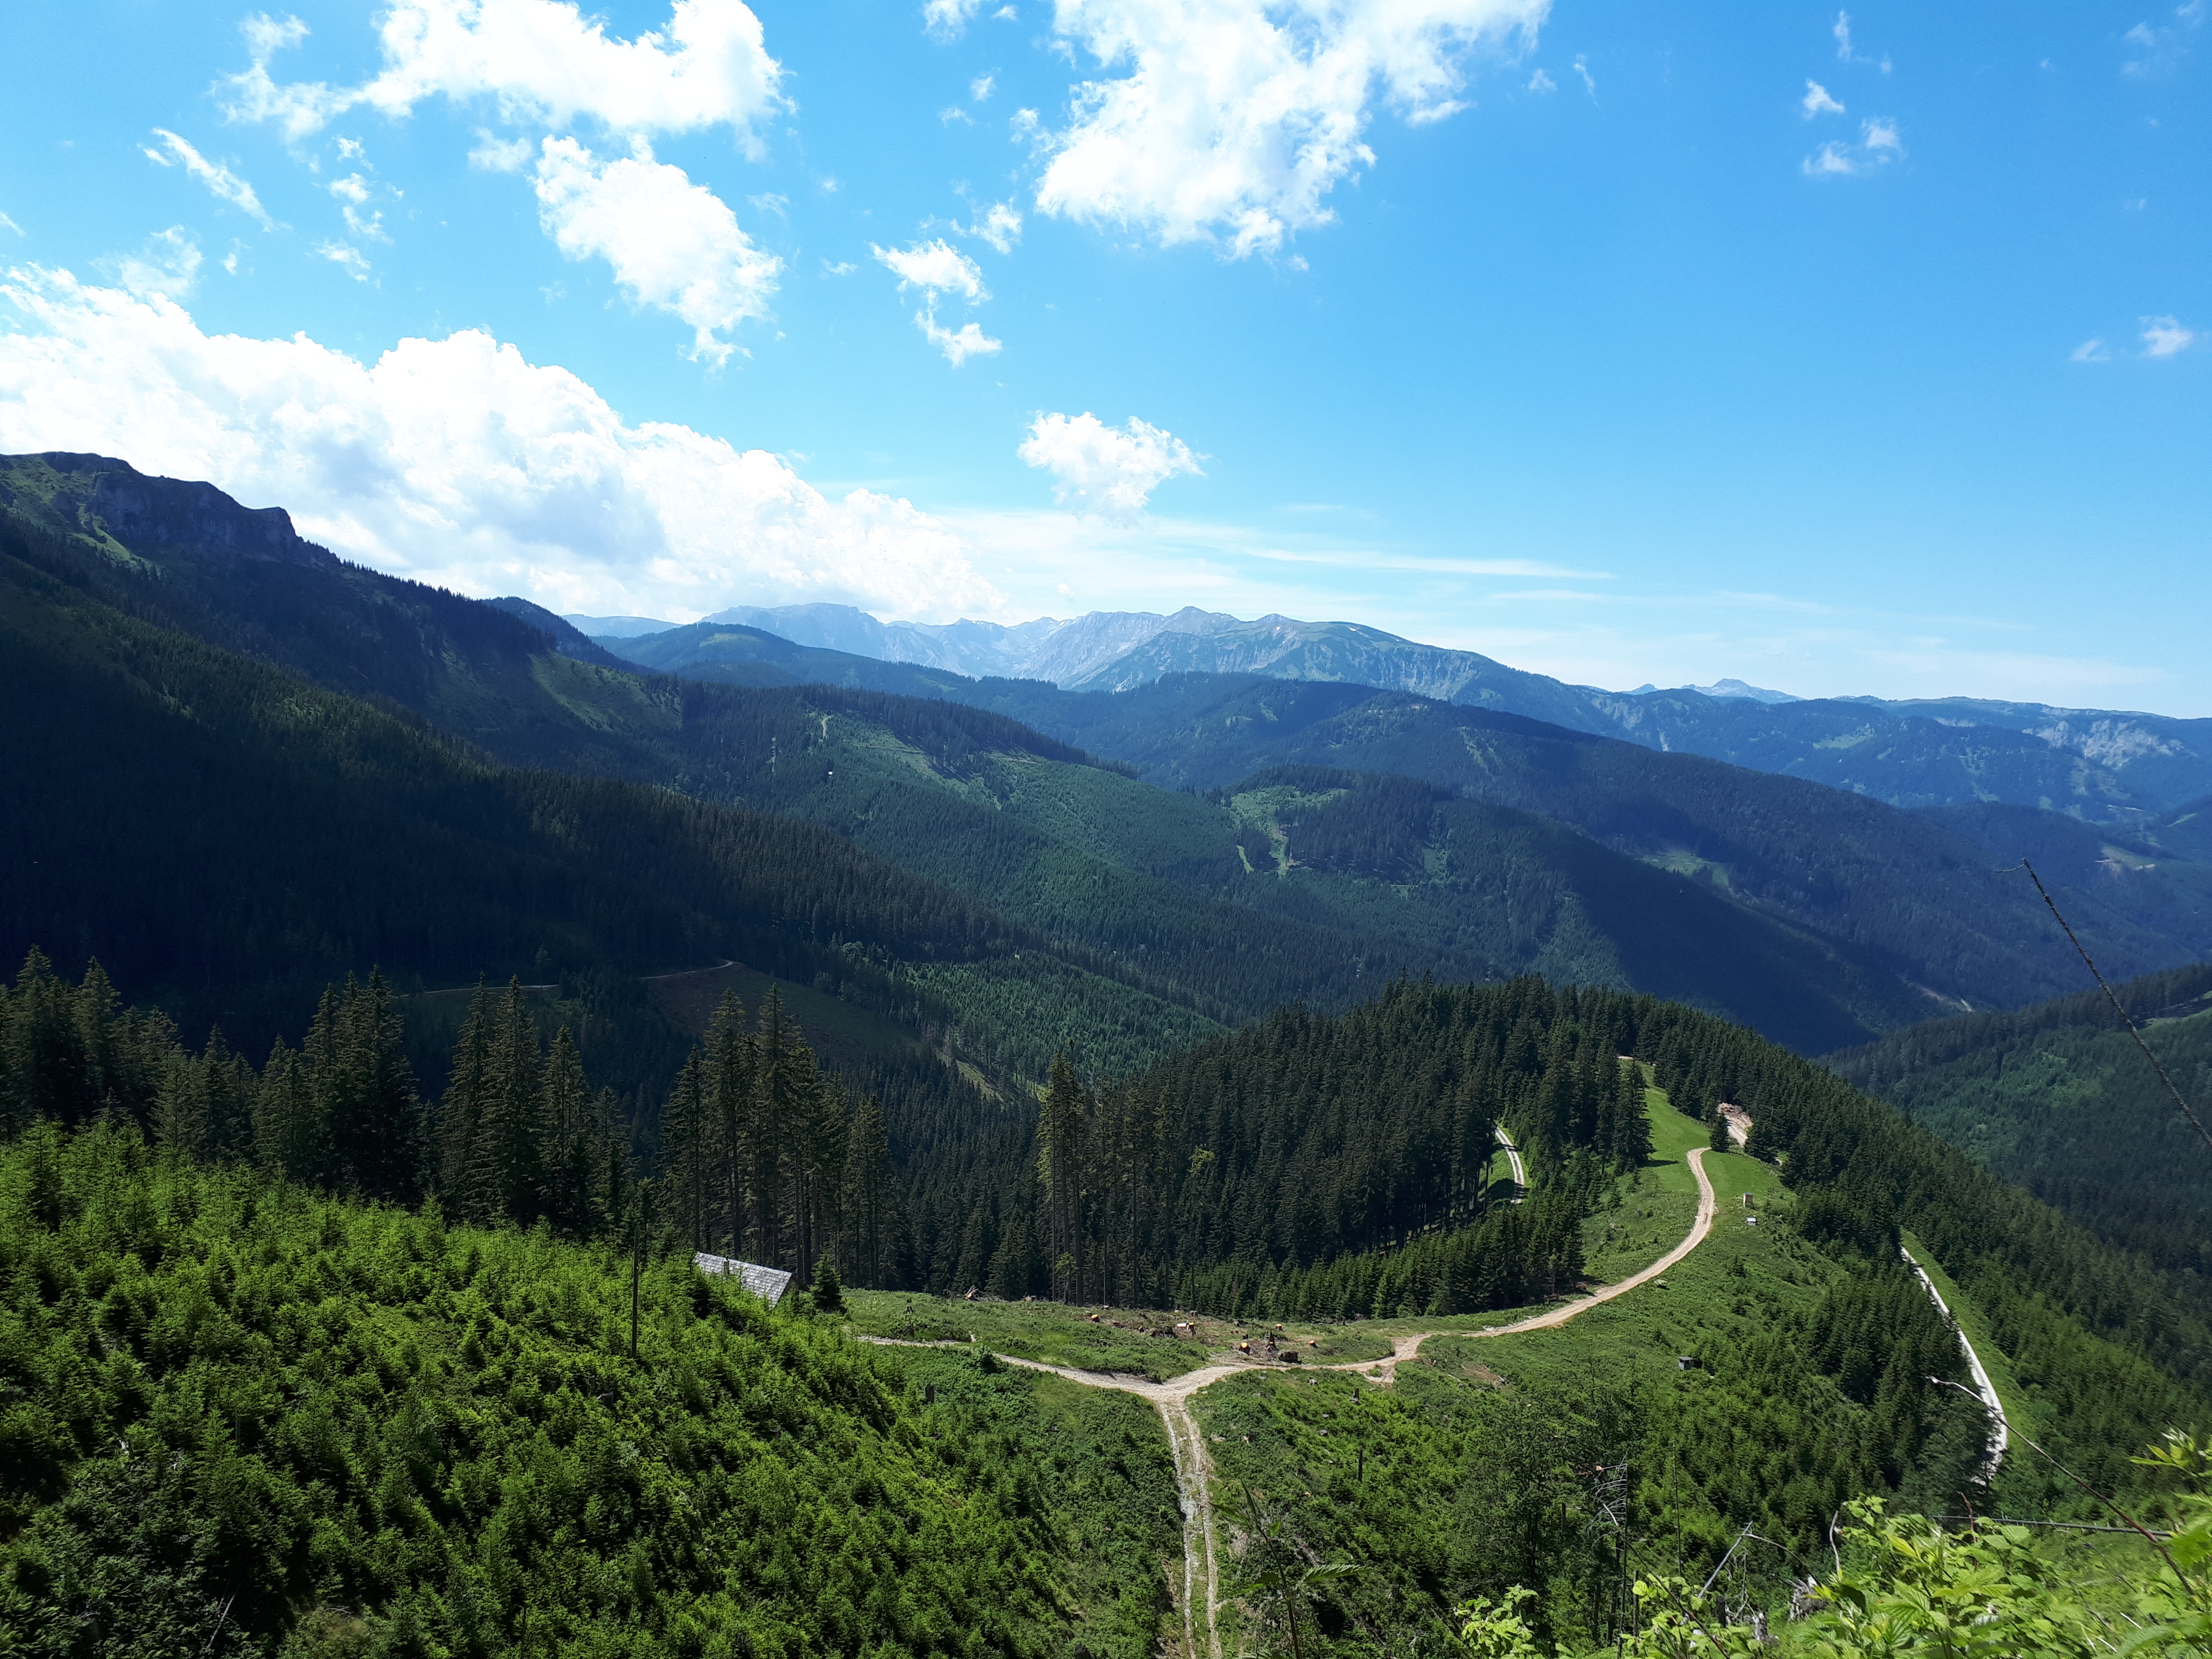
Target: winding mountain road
point(1193, 1469)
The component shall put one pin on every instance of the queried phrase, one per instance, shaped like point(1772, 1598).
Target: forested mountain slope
point(1821, 917)
point(2104, 765)
point(1307, 1146)
point(1924, 903)
point(363, 1423)
point(1146, 884)
point(218, 830)
point(239, 1412)
point(2059, 1100)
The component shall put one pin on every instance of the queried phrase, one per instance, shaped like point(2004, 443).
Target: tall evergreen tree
point(870, 1199)
point(1062, 1126)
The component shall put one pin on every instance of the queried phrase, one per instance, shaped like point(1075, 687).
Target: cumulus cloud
point(168, 264)
point(1541, 81)
point(2164, 336)
point(1235, 119)
point(225, 184)
point(457, 461)
point(542, 61)
point(674, 245)
point(1818, 102)
point(981, 87)
point(1105, 471)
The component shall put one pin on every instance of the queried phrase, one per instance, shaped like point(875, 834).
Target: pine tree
point(506, 1168)
point(566, 1110)
point(1061, 1137)
point(777, 1106)
point(181, 1111)
point(288, 1134)
point(468, 1082)
point(687, 1171)
point(379, 1131)
point(870, 1194)
point(732, 1106)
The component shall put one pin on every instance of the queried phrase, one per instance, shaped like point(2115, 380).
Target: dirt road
point(1193, 1469)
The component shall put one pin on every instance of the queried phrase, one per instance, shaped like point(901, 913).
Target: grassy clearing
point(1711, 1291)
point(1121, 1340)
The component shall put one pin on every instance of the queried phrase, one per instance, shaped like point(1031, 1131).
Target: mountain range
point(2105, 766)
point(1101, 866)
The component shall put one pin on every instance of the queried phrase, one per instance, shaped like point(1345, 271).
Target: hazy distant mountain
point(617, 628)
point(1046, 648)
point(1725, 689)
point(2100, 765)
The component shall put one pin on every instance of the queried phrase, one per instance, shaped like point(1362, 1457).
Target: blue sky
point(1863, 352)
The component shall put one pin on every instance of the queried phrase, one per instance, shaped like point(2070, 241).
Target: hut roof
point(766, 1283)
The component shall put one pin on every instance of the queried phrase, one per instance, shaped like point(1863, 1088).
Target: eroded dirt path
point(1202, 1571)
point(2000, 1429)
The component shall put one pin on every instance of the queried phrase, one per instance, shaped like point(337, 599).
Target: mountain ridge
point(2107, 765)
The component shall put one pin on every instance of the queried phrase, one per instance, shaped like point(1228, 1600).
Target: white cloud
point(6, 223)
point(496, 155)
point(1880, 143)
point(673, 245)
point(167, 263)
point(352, 192)
point(947, 20)
point(542, 61)
point(935, 268)
point(1236, 119)
point(842, 268)
point(969, 342)
point(999, 224)
point(952, 112)
point(2164, 336)
point(1108, 472)
point(1541, 81)
point(1844, 52)
point(938, 268)
point(981, 87)
point(1582, 68)
point(225, 184)
point(1818, 102)
point(456, 461)
point(347, 259)
point(2090, 351)
point(2162, 47)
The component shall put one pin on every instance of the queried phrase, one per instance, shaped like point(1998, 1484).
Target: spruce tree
point(869, 1193)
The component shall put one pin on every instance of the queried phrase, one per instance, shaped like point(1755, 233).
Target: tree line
point(761, 1154)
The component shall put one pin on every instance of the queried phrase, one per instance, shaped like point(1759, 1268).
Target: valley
point(1250, 1147)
